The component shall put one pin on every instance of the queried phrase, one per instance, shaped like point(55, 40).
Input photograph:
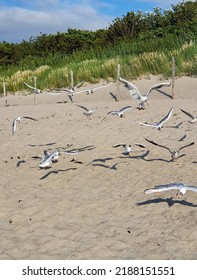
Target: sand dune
point(94, 207)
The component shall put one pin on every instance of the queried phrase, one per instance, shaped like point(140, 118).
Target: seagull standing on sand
point(174, 153)
point(159, 125)
point(134, 92)
point(19, 119)
point(35, 90)
point(193, 118)
point(119, 113)
point(88, 112)
point(128, 148)
point(182, 188)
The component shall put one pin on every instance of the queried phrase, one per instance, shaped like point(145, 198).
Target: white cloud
point(166, 4)
point(17, 23)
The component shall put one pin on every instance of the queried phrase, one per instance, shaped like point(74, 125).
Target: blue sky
point(21, 19)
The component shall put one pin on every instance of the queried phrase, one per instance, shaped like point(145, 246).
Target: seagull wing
point(158, 86)
point(29, 86)
point(152, 142)
point(102, 86)
point(139, 145)
point(119, 145)
point(133, 90)
point(27, 117)
point(14, 126)
point(121, 111)
point(166, 118)
point(162, 188)
point(83, 107)
point(79, 84)
point(188, 114)
point(46, 154)
point(186, 146)
point(147, 124)
point(191, 188)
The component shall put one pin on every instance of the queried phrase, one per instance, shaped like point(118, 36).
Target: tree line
point(178, 22)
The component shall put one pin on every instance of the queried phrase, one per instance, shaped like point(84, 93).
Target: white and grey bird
point(92, 89)
point(88, 112)
point(193, 118)
point(174, 153)
point(35, 90)
point(119, 113)
point(52, 157)
point(160, 124)
point(72, 89)
point(127, 149)
point(134, 92)
point(182, 188)
point(19, 119)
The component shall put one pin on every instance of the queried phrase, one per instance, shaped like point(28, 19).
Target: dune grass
point(94, 66)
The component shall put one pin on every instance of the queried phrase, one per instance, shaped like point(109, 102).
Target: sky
point(22, 19)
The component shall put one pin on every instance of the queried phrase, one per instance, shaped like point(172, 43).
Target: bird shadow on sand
point(165, 160)
point(106, 166)
point(40, 145)
point(100, 163)
point(142, 156)
point(174, 126)
point(55, 172)
point(170, 201)
point(164, 93)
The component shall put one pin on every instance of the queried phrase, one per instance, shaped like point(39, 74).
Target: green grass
point(94, 65)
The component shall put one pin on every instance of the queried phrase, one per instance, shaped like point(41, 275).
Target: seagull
point(50, 158)
point(70, 92)
point(182, 188)
point(128, 148)
point(119, 113)
point(35, 90)
point(194, 118)
point(159, 125)
point(19, 119)
point(134, 92)
point(88, 112)
point(72, 89)
point(91, 90)
point(174, 153)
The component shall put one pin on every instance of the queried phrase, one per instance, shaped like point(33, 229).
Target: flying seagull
point(88, 112)
point(35, 90)
point(174, 153)
point(50, 158)
point(19, 119)
point(134, 92)
point(119, 113)
point(193, 118)
point(128, 148)
point(182, 188)
point(159, 125)
point(92, 89)
point(72, 89)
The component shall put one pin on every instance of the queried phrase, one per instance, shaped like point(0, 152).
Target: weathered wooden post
point(5, 94)
point(173, 78)
point(35, 86)
point(117, 82)
point(71, 79)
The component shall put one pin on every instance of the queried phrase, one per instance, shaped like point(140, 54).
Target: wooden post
point(173, 78)
point(35, 90)
point(5, 94)
point(117, 82)
point(71, 79)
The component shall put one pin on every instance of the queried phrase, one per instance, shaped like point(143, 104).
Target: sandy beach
point(92, 205)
